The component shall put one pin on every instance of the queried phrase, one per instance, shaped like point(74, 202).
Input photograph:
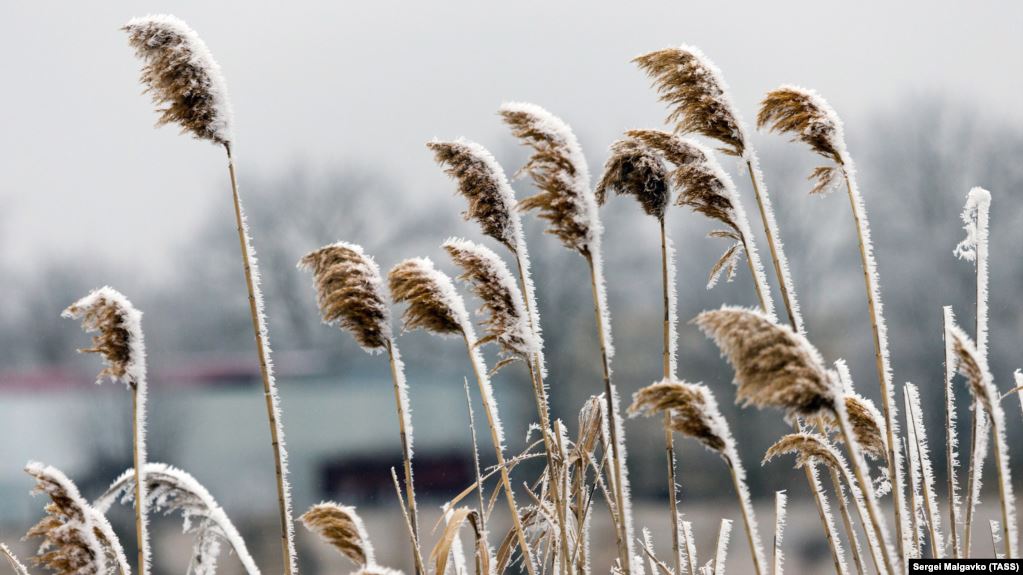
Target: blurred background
point(333, 103)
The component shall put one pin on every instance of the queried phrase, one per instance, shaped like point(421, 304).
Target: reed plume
point(482, 181)
point(342, 528)
point(121, 343)
point(351, 294)
point(974, 248)
point(76, 537)
point(636, 169)
point(434, 305)
point(188, 88)
point(695, 91)
point(973, 367)
point(777, 367)
point(18, 567)
point(807, 116)
point(559, 171)
point(694, 413)
point(170, 489)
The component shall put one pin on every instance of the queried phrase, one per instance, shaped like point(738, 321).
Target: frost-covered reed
point(188, 88)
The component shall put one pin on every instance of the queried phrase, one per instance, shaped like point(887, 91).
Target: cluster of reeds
point(861, 448)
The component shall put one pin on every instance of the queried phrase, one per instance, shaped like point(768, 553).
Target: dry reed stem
point(16, 565)
point(847, 522)
point(951, 440)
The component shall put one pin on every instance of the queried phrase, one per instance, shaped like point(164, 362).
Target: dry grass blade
point(341, 527)
point(18, 567)
point(558, 168)
point(442, 550)
point(635, 169)
point(774, 366)
point(482, 181)
point(694, 90)
point(182, 77)
point(350, 292)
point(691, 412)
point(433, 304)
point(76, 537)
point(117, 325)
point(506, 320)
point(169, 489)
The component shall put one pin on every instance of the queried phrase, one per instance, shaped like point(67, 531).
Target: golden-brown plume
point(970, 366)
point(118, 333)
point(809, 118)
point(76, 537)
point(341, 527)
point(774, 366)
point(558, 168)
point(692, 414)
point(867, 425)
point(482, 181)
point(433, 303)
point(350, 292)
point(505, 319)
point(692, 87)
point(807, 447)
point(182, 77)
point(635, 169)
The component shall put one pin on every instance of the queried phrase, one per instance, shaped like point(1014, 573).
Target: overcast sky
point(329, 84)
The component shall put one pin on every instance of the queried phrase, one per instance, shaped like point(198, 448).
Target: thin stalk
point(137, 414)
point(283, 497)
point(771, 241)
point(863, 479)
point(971, 499)
point(747, 515)
point(417, 554)
point(950, 440)
point(669, 442)
point(819, 499)
point(489, 410)
point(543, 411)
point(406, 450)
point(914, 504)
point(1006, 536)
point(847, 522)
point(753, 276)
point(894, 469)
point(476, 459)
point(612, 423)
point(925, 485)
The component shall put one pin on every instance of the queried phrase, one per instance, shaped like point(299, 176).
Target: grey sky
point(322, 84)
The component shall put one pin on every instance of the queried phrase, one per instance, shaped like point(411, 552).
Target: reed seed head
point(182, 77)
point(482, 181)
point(341, 527)
point(70, 541)
point(433, 303)
point(635, 169)
point(694, 90)
point(973, 368)
point(774, 366)
point(505, 319)
point(810, 119)
point(807, 447)
point(590, 425)
point(693, 411)
point(350, 292)
point(118, 328)
point(867, 425)
point(558, 169)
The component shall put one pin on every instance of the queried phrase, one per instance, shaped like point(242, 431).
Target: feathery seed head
point(433, 303)
point(590, 425)
point(506, 321)
point(635, 169)
point(774, 366)
point(807, 447)
point(341, 527)
point(691, 406)
point(72, 542)
point(973, 368)
point(558, 169)
point(182, 77)
point(867, 425)
point(809, 118)
point(693, 88)
point(118, 328)
point(350, 292)
point(482, 181)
